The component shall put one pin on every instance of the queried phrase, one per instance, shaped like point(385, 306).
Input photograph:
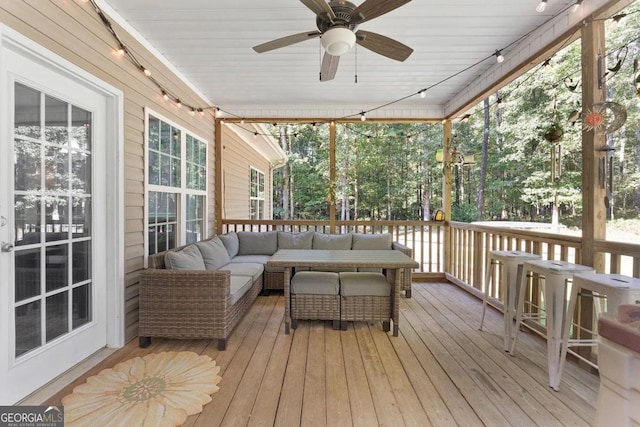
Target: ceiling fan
point(337, 22)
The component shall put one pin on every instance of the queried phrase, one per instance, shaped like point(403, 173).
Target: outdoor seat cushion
point(251, 269)
point(188, 258)
point(363, 283)
point(258, 243)
point(257, 259)
point(238, 286)
point(214, 253)
point(315, 283)
point(231, 242)
point(288, 240)
point(332, 241)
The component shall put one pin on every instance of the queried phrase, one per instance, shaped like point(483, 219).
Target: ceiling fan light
point(337, 41)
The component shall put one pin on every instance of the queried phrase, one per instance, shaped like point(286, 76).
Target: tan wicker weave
point(273, 280)
point(366, 308)
point(315, 307)
point(185, 304)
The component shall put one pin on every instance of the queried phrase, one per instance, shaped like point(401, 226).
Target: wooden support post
point(332, 175)
point(446, 196)
point(593, 182)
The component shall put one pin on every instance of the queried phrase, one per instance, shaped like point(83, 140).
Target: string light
point(617, 18)
point(192, 112)
point(541, 6)
point(465, 118)
point(499, 103)
point(546, 64)
point(165, 96)
point(121, 50)
point(576, 6)
point(145, 71)
point(219, 112)
point(499, 56)
point(201, 111)
point(423, 93)
point(363, 116)
point(178, 103)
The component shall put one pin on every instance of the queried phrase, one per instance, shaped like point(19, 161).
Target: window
point(177, 185)
point(256, 195)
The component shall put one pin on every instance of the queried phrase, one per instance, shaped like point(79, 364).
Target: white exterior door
point(53, 217)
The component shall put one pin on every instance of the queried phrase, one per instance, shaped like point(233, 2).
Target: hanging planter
point(554, 133)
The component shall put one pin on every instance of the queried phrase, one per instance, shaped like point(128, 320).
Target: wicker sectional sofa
point(202, 290)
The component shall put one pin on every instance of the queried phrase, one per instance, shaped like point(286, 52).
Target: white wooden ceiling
point(210, 43)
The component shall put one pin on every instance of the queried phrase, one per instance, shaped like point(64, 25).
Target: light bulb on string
point(576, 6)
point(499, 103)
point(423, 93)
point(499, 56)
point(145, 71)
point(363, 116)
point(541, 6)
point(121, 50)
point(178, 103)
point(165, 96)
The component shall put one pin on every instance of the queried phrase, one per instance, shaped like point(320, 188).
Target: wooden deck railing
point(463, 260)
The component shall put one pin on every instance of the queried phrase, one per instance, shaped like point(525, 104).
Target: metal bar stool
point(556, 275)
point(617, 289)
point(512, 262)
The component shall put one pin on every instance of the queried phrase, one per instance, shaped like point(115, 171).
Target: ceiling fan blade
point(286, 41)
point(329, 67)
point(320, 8)
point(383, 45)
point(373, 8)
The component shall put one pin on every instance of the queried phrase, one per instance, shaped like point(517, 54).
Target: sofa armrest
point(183, 292)
point(402, 248)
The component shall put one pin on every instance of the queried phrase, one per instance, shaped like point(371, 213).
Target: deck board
point(440, 371)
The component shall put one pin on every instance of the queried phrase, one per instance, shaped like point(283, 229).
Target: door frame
point(11, 40)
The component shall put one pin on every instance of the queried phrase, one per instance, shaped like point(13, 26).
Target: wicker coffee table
point(394, 262)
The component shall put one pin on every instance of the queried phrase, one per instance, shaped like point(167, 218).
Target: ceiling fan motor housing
point(338, 35)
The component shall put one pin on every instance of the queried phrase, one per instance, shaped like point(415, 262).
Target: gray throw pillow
point(295, 240)
point(371, 241)
point(214, 253)
point(230, 241)
point(188, 258)
point(258, 243)
point(332, 241)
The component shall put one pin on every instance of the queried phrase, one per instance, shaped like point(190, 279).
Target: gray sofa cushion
point(253, 270)
point(239, 285)
point(214, 253)
point(332, 241)
point(315, 283)
point(188, 258)
point(259, 259)
point(295, 240)
point(371, 241)
point(375, 284)
point(230, 241)
point(258, 243)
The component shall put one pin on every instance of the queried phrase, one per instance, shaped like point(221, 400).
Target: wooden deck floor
point(440, 371)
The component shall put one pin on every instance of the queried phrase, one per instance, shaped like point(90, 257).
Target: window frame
point(182, 191)
point(252, 198)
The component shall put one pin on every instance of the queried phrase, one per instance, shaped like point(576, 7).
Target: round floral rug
point(160, 389)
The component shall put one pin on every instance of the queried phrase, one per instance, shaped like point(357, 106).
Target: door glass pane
point(28, 327)
point(57, 218)
point(81, 261)
point(56, 121)
point(81, 172)
point(27, 111)
point(81, 222)
point(56, 165)
point(57, 267)
point(80, 129)
point(27, 283)
point(57, 315)
point(27, 220)
point(81, 304)
point(27, 171)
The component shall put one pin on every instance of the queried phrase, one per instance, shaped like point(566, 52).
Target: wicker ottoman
point(315, 296)
point(365, 296)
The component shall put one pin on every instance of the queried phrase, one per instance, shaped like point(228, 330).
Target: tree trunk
point(483, 161)
point(426, 187)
